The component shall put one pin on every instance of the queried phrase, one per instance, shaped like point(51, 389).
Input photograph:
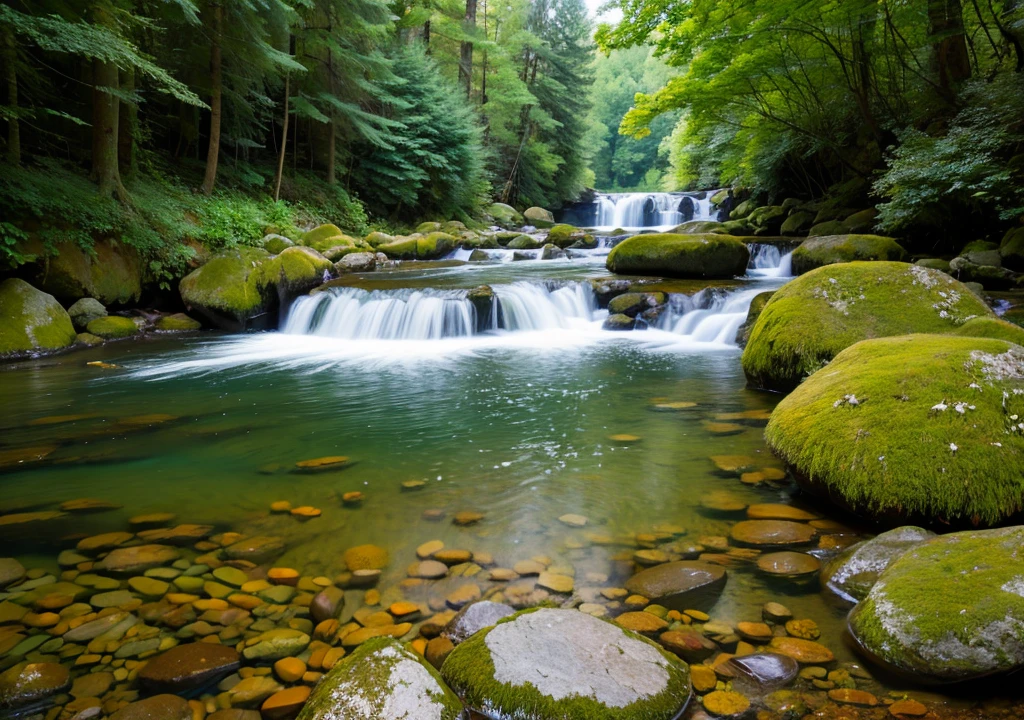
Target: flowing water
point(511, 415)
point(641, 210)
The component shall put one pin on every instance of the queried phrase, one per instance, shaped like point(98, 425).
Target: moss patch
point(831, 249)
point(112, 273)
point(113, 327)
point(435, 245)
point(178, 322)
point(920, 427)
point(950, 609)
point(992, 327)
point(687, 256)
point(31, 320)
point(297, 270)
point(812, 318)
point(230, 289)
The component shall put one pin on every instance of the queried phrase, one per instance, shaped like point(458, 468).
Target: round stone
point(366, 557)
point(453, 556)
point(305, 512)
point(280, 506)
point(678, 406)
point(352, 498)
point(805, 652)
point(573, 520)
point(644, 623)
point(26, 683)
point(908, 708)
point(151, 520)
point(725, 703)
point(106, 541)
point(189, 666)
point(258, 549)
point(721, 501)
point(723, 429)
point(805, 629)
point(11, 571)
point(776, 612)
point(759, 673)
point(788, 564)
point(285, 703)
point(428, 570)
point(733, 465)
point(322, 464)
point(776, 533)
point(463, 595)
point(678, 585)
point(755, 632)
point(850, 696)
point(165, 707)
point(427, 549)
point(563, 663)
point(555, 582)
point(289, 669)
point(467, 517)
point(778, 511)
point(473, 618)
point(624, 439)
point(149, 587)
point(410, 485)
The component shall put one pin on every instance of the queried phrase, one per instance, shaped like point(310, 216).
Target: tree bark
point(284, 142)
point(332, 129)
point(466, 50)
point(951, 61)
point(104, 131)
point(128, 116)
point(216, 93)
point(10, 52)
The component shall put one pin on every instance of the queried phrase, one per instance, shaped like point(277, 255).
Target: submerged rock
point(549, 663)
point(178, 322)
point(853, 573)
point(188, 667)
point(112, 327)
point(811, 319)
point(473, 618)
point(685, 256)
point(31, 321)
point(816, 252)
point(679, 585)
point(164, 707)
point(137, 559)
point(28, 683)
point(11, 571)
point(950, 609)
point(381, 679)
point(919, 428)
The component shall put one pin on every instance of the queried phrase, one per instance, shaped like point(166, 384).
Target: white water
point(709, 316)
point(655, 210)
point(767, 261)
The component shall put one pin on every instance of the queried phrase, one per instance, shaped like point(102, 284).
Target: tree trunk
point(128, 116)
point(10, 53)
point(951, 62)
point(466, 51)
point(426, 35)
point(332, 129)
point(104, 131)
point(216, 92)
point(284, 142)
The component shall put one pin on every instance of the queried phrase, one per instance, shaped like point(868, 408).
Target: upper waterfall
point(636, 210)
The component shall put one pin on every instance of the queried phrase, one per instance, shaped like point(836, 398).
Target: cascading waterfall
point(712, 315)
point(649, 210)
point(768, 261)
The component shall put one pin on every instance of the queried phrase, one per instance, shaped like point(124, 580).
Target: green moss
point(178, 322)
point(112, 327)
point(1012, 249)
point(695, 227)
point(992, 327)
point(830, 249)
point(524, 242)
point(435, 245)
point(563, 235)
point(504, 214)
point(321, 236)
point(469, 670)
point(931, 437)
point(296, 270)
point(950, 609)
point(428, 227)
point(376, 239)
point(31, 320)
point(757, 306)
point(232, 285)
point(812, 318)
point(362, 684)
point(688, 256)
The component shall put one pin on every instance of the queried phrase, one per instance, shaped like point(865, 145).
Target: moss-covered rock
point(992, 327)
point(862, 221)
point(619, 321)
point(111, 273)
point(434, 246)
point(524, 242)
point(552, 252)
point(1011, 249)
point(274, 243)
point(546, 663)
point(851, 574)
point(699, 227)
point(950, 609)
point(505, 215)
point(323, 237)
point(586, 242)
point(84, 311)
point(31, 321)
point(825, 229)
point(376, 239)
point(831, 249)
point(178, 322)
point(632, 304)
point(720, 197)
point(757, 306)
point(564, 235)
point(381, 679)
point(428, 227)
point(739, 228)
point(232, 289)
point(88, 339)
point(799, 223)
point(925, 428)
point(767, 220)
point(743, 210)
point(991, 277)
point(812, 318)
point(113, 327)
point(934, 264)
point(539, 217)
point(687, 256)
point(296, 271)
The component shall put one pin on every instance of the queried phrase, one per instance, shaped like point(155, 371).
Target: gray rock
point(327, 604)
point(356, 262)
point(759, 673)
point(852, 573)
point(84, 311)
point(473, 618)
point(679, 585)
point(11, 571)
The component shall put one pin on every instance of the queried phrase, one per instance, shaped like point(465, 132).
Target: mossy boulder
point(113, 327)
point(699, 227)
point(505, 215)
point(88, 339)
point(231, 290)
point(1011, 249)
point(862, 221)
point(757, 306)
point(918, 428)
point(428, 227)
point(84, 311)
point(743, 210)
point(178, 322)
point(950, 609)
point(435, 246)
point(799, 223)
point(31, 321)
point(274, 243)
point(831, 249)
point(632, 304)
point(767, 220)
point(826, 229)
point(296, 270)
point(111, 273)
point(851, 574)
point(812, 318)
point(539, 217)
point(546, 663)
point(381, 679)
point(377, 238)
point(324, 237)
point(686, 256)
point(619, 321)
point(524, 242)
point(992, 327)
point(934, 264)
point(552, 252)
point(991, 277)
point(564, 235)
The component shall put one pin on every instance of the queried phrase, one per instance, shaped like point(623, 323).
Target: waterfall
point(648, 210)
point(767, 261)
point(712, 315)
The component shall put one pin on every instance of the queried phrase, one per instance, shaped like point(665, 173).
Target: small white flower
point(881, 458)
point(996, 444)
point(953, 447)
point(974, 386)
point(940, 407)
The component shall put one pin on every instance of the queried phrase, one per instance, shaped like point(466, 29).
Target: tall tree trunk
point(426, 35)
point(10, 57)
point(284, 141)
point(216, 93)
point(104, 131)
point(128, 116)
point(332, 129)
point(483, 67)
point(466, 50)
point(951, 61)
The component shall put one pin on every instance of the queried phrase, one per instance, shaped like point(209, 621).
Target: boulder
point(831, 249)
point(830, 227)
point(429, 247)
point(767, 220)
point(862, 221)
point(112, 327)
point(632, 304)
point(84, 311)
point(546, 663)
point(232, 290)
point(552, 252)
point(324, 237)
point(852, 573)
point(698, 227)
point(539, 217)
point(381, 679)
point(276, 644)
point(934, 264)
point(356, 262)
point(377, 238)
point(992, 327)
point(753, 313)
point(137, 558)
point(1011, 249)
point(991, 277)
point(743, 210)
point(188, 667)
point(564, 235)
point(685, 256)
point(28, 683)
point(473, 618)
point(178, 322)
point(158, 707)
point(679, 585)
point(918, 428)
point(950, 609)
point(812, 318)
point(799, 223)
point(619, 321)
point(274, 243)
point(296, 271)
point(504, 215)
point(31, 321)
point(111, 273)
point(524, 242)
